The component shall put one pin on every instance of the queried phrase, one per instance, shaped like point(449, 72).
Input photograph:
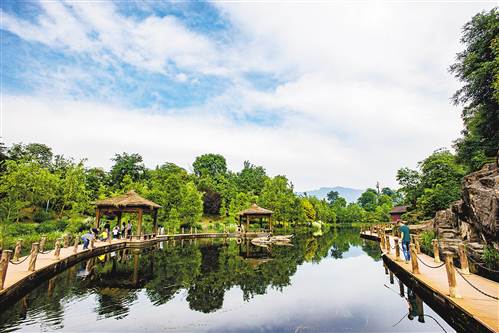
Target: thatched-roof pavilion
point(129, 202)
point(255, 212)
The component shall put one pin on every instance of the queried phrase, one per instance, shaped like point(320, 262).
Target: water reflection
point(329, 283)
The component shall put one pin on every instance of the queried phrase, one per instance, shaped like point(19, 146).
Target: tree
point(251, 178)
point(332, 196)
point(368, 200)
point(278, 195)
point(477, 66)
point(73, 190)
point(210, 165)
point(3, 156)
point(96, 180)
point(309, 210)
point(126, 164)
point(35, 152)
point(191, 206)
point(24, 184)
point(410, 181)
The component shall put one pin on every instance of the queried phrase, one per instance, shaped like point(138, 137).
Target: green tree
point(35, 152)
point(278, 195)
point(368, 200)
point(191, 206)
point(126, 164)
point(477, 66)
point(25, 184)
point(309, 210)
point(210, 165)
point(251, 178)
point(410, 181)
point(73, 190)
point(332, 197)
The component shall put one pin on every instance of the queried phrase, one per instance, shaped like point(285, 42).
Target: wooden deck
point(19, 280)
point(476, 305)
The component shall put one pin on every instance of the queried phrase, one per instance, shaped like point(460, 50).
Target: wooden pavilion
point(129, 202)
point(253, 213)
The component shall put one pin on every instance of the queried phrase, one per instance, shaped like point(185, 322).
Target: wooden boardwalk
point(475, 304)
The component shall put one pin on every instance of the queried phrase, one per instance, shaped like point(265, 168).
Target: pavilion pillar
point(270, 223)
point(155, 225)
point(97, 217)
point(139, 223)
point(119, 218)
point(247, 223)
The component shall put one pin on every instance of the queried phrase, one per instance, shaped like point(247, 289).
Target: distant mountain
point(350, 194)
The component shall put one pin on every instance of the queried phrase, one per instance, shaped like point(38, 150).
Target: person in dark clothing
point(406, 240)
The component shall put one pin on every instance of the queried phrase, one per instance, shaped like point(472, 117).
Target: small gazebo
point(255, 212)
point(129, 202)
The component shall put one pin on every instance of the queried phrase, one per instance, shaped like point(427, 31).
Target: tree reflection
point(206, 270)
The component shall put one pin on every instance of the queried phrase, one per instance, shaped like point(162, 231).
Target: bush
point(491, 257)
point(425, 241)
point(21, 229)
point(51, 226)
point(41, 215)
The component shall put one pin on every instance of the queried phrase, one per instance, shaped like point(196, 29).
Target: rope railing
point(421, 261)
point(476, 288)
point(19, 261)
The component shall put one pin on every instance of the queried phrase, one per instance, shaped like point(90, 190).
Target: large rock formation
point(474, 218)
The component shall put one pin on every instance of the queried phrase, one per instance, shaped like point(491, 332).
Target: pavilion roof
point(399, 210)
point(129, 199)
point(256, 210)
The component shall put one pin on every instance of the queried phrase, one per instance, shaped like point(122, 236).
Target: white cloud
point(365, 87)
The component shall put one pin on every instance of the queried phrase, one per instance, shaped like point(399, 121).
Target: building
point(397, 212)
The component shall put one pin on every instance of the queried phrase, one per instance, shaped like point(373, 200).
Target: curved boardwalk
point(482, 308)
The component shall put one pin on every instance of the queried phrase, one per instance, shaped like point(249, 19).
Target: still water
point(331, 283)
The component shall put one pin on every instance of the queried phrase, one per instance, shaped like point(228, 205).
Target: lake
point(330, 283)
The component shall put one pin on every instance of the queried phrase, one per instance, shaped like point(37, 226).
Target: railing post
point(17, 250)
point(4, 264)
point(75, 248)
point(66, 241)
point(387, 244)
point(436, 253)
point(196, 230)
point(414, 259)
point(110, 237)
point(33, 256)
point(92, 244)
point(416, 242)
point(382, 241)
point(191, 230)
point(57, 250)
point(182, 230)
point(463, 258)
point(451, 275)
point(397, 249)
point(42, 243)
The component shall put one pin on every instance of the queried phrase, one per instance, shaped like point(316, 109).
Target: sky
point(328, 93)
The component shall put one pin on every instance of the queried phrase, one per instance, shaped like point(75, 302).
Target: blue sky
point(328, 93)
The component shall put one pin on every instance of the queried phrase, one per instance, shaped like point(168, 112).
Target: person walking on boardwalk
point(406, 240)
point(86, 239)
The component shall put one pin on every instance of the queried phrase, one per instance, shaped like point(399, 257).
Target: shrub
point(21, 229)
point(51, 226)
point(41, 215)
point(491, 257)
point(425, 241)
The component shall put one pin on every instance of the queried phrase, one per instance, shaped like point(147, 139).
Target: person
point(86, 239)
point(116, 232)
point(406, 239)
point(129, 229)
point(107, 226)
point(123, 230)
point(104, 235)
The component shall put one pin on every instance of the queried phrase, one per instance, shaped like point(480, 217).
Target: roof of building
point(399, 210)
point(256, 210)
point(129, 199)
